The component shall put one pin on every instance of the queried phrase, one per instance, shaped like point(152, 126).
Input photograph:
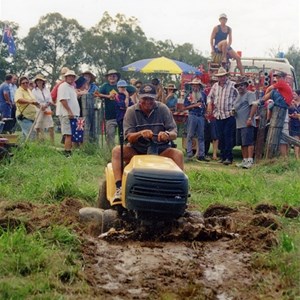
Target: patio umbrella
point(161, 65)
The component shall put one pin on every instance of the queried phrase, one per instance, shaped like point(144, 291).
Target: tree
point(52, 44)
point(115, 42)
point(293, 55)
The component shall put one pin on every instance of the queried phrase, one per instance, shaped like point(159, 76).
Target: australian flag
point(77, 128)
point(9, 40)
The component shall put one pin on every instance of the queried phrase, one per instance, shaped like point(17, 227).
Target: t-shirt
point(27, 110)
point(160, 119)
point(67, 92)
point(4, 89)
point(285, 90)
point(242, 107)
point(110, 110)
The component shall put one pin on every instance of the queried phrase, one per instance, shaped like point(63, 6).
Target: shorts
point(245, 136)
point(65, 125)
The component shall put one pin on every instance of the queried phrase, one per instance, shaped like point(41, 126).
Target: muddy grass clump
point(265, 208)
point(266, 220)
point(218, 210)
point(290, 212)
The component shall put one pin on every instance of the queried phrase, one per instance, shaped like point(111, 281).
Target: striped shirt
point(223, 99)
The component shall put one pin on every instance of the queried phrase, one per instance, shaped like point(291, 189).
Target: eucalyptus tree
point(115, 42)
point(53, 43)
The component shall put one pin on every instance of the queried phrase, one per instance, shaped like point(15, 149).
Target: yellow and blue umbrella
point(161, 65)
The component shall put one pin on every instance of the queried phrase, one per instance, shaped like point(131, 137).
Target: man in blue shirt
point(5, 98)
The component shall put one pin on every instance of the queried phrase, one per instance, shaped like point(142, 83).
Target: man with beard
point(195, 103)
point(141, 122)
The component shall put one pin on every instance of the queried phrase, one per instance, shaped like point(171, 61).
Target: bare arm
point(67, 107)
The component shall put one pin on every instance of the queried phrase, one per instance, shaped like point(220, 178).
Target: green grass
point(43, 174)
point(275, 184)
point(39, 263)
point(46, 264)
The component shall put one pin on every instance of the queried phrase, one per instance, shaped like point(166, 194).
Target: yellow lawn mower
point(153, 187)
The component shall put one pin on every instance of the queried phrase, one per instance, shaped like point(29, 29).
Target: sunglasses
point(138, 86)
point(25, 82)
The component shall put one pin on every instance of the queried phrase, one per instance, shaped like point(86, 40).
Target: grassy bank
point(46, 262)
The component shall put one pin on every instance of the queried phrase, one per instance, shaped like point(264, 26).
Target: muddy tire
point(102, 201)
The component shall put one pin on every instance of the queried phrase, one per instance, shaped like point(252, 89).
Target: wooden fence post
point(274, 133)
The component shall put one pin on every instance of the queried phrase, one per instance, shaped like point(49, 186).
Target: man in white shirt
point(67, 108)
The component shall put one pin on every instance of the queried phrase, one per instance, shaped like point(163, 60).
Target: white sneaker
point(118, 195)
point(242, 164)
point(248, 165)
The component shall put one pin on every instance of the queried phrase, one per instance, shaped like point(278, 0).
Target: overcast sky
point(258, 25)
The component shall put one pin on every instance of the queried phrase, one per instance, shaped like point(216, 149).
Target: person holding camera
point(26, 108)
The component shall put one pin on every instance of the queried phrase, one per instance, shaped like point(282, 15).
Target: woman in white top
point(44, 116)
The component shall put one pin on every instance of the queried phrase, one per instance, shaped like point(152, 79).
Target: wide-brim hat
point(221, 72)
point(93, 77)
point(39, 77)
point(171, 86)
point(196, 81)
point(113, 71)
point(70, 73)
point(242, 81)
point(147, 91)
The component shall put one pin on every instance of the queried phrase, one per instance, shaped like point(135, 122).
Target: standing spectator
point(12, 89)
point(222, 95)
point(195, 103)
point(171, 98)
point(160, 95)
point(294, 114)
point(245, 109)
point(123, 101)
point(67, 108)
point(211, 131)
point(58, 82)
point(90, 82)
point(44, 118)
point(108, 91)
point(6, 102)
point(221, 40)
point(135, 96)
point(26, 108)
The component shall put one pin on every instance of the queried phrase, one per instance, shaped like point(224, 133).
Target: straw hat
point(39, 77)
point(196, 81)
point(70, 73)
point(221, 72)
point(171, 86)
point(93, 77)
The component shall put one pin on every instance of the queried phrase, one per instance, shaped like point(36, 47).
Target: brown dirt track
point(192, 260)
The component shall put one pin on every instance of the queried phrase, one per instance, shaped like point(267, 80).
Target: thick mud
point(205, 256)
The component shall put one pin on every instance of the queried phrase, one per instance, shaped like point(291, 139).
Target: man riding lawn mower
point(152, 185)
